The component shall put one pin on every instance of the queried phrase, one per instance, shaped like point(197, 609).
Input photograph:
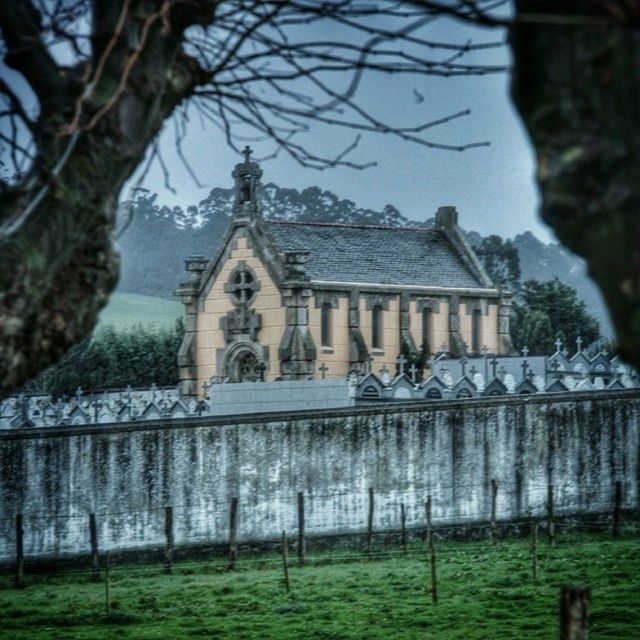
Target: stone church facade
point(292, 300)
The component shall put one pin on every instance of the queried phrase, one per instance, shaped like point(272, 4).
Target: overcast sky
point(492, 187)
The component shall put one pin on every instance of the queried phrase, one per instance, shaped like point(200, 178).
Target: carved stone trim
point(428, 303)
point(325, 297)
point(376, 300)
point(253, 286)
point(477, 304)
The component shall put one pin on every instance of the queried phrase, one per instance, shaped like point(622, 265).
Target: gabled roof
point(375, 254)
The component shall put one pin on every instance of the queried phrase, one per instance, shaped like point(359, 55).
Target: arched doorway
point(244, 367)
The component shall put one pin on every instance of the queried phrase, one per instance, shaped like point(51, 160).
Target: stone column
point(188, 292)
point(505, 344)
point(297, 350)
point(456, 343)
point(405, 324)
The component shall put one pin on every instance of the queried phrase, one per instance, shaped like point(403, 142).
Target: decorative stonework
point(247, 176)
point(242, 285)
point(325, 297)
point(241, 322)
point(372, 300)
point(477, 304)
point(428, 303)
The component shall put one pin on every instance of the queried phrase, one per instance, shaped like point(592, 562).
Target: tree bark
point(58, 267)
point(576, 85)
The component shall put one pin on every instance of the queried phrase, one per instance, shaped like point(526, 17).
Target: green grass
point(484, 593)
point(126, 309)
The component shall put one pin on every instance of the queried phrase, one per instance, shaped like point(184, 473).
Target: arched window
point(325, 324)
point(376, 327)
point(476, 319)
point(426, 326)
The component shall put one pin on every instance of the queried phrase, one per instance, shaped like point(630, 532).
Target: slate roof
point(374, 254)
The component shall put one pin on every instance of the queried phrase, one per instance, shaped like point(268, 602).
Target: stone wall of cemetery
point(126, 474)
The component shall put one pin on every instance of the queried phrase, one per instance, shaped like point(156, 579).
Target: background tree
point(112, 359)
point(545, 311)
point(501, 260)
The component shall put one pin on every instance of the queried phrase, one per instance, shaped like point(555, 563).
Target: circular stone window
point(242, 285)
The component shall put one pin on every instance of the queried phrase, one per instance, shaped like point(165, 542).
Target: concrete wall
point(286, 395)
point(126, 474)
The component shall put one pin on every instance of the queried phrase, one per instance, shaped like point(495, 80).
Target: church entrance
point(244, 368)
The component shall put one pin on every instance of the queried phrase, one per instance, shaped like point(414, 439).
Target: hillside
point(159, 238)
point(127, 309)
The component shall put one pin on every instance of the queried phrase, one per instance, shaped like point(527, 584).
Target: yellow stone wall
point(268, 303)
point(390, 334)
point(439, 326)
point(488, 327)
point(336, 358)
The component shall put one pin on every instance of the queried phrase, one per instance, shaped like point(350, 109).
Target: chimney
point(446, 218)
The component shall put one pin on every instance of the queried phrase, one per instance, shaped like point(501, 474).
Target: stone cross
point(323, 370)
point(558, 344)
point(414, 370)
point(525, 351)
point(502, 372)
point(205, 388)
point(401, 360)
point(485, 351)
point(463, 364)
point(531, 375)
point(604, 352)
point(473, 370)
point(525, 366)
point(494, 363)
point(78, 394)
point(368, 363)
point(579, 344)
point(262, 367)
point(555, 366)
point(247, 154)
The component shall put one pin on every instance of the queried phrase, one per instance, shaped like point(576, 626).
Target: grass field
point(126, 309)
point(484, 593)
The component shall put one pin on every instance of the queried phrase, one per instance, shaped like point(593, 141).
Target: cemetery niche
point(445, 378)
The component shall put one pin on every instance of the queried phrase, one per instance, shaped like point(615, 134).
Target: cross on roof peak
point(247, 151)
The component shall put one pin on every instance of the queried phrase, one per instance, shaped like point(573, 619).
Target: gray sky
point(492, 187)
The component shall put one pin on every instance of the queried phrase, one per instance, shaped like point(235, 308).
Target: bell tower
point(247, 174)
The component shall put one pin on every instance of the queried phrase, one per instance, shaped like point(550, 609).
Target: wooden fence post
point(233, 534)
point(93, 536)
point(493, 525)
point(403, 527)
point(551, 526)
point(427, 510)
point(301, 540)
point(107, 584)
point(285, 561)
point(168, 534)
point(370, 523)
point(617, 508)
point(574, 613)
point(434, 583)
point(534, 551)
point(19, 577)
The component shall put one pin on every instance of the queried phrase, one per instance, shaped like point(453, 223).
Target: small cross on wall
point(262, 367)
point(323, 370)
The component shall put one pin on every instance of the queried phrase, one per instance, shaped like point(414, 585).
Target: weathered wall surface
point(582, 443)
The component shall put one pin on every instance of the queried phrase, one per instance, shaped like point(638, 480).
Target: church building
point(299, 300)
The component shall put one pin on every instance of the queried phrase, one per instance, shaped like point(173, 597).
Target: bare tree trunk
point(576, 85)
point(57, 264)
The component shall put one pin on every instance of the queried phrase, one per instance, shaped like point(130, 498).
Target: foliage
point(545, 311)
point(484, 593)
point(140, 356)
point(501, 261)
